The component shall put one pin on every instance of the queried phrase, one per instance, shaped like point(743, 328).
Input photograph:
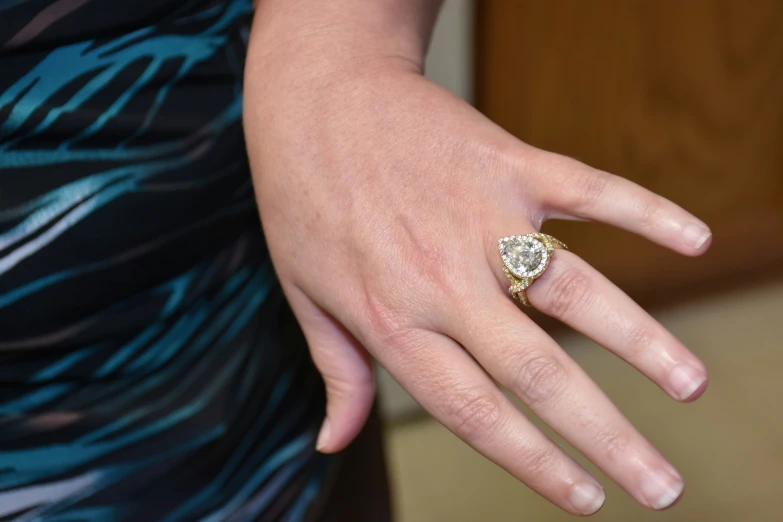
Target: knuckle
point(637, 339)
point(383, 319)
point(340, 389)
point(538, 378)
point(387, 325)
point(615, 444)
point(343, 383)
point(476, 416)
point(568, 291)
point(578, 187)
point(591, 187)
point(586, 187)
point(540, 461)
point(650, 209)
point(429, 264)
point(426, 256)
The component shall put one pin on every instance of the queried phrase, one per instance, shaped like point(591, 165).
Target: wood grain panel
point(684, 98)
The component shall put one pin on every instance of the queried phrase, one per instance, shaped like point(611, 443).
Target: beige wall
point(450, 60)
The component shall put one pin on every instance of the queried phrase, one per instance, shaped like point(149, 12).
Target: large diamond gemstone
point(523, 256)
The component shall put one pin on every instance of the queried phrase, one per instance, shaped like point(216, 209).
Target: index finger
point(576, 190)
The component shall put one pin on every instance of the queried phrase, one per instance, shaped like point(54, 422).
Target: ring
point(525, 259)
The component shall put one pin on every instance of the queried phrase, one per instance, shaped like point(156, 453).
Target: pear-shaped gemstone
point(523, 256)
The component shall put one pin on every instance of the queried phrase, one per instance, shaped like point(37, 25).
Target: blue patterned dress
point(150, 369)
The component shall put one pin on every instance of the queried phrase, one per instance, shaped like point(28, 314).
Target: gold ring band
point(525, 259)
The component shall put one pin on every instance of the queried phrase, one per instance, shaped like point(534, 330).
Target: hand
point(382, 199)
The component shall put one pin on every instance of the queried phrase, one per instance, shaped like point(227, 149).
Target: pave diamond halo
point(523, 256)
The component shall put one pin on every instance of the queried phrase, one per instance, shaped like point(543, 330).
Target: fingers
point(346, 368)
point(577, 294)
point(534, 368)
point(579, 191)
point(448, 383)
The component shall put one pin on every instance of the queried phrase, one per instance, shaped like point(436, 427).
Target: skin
point(382, 198)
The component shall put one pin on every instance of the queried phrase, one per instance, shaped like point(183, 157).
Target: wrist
point(313, 39)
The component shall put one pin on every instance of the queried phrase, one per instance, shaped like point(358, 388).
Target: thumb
point(346, 368)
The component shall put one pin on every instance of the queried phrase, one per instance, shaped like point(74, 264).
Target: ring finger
point(574, 292)
point(533, 367)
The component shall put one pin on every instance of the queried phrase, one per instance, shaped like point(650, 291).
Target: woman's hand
point(382, 198)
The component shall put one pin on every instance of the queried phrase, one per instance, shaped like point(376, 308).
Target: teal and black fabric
point(150, 369)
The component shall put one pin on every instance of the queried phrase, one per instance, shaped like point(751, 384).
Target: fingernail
point(323, 436)
point(660, 488)
point(587, 498)
point(696, 235)
point(685, 380)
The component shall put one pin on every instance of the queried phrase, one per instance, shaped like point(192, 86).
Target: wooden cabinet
point(684, 98)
